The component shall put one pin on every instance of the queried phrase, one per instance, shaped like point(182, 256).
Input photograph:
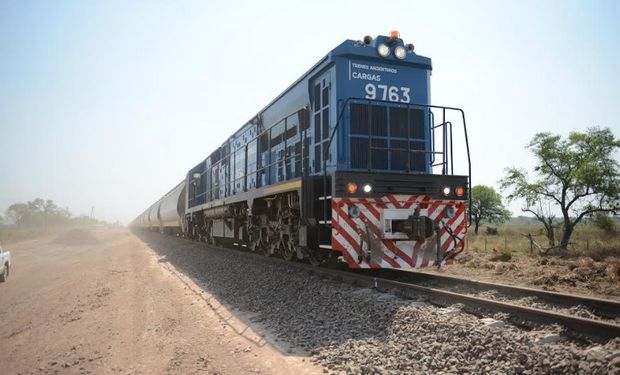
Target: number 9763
point(388, 93)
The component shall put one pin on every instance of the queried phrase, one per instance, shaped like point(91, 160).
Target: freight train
point(350, 164)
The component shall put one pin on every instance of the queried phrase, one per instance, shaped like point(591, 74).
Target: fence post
point(485, 243)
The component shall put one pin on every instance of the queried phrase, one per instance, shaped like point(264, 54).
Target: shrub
point(492, 231)
point(504, 256)
point(601, 249)
point(604, 222)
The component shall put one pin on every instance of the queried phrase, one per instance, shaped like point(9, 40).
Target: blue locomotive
point(351, 163)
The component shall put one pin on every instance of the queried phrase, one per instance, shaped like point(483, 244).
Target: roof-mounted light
point(400, 52)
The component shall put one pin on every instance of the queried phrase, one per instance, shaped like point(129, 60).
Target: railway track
point(445, 291)
point(601, 309)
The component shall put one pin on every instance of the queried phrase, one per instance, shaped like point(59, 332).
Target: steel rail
point(576, 326)
point(599, 306)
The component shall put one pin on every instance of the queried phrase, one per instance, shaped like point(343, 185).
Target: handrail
point(406, 105)
point(256, 138)
point(262, 168)
point(327, 146)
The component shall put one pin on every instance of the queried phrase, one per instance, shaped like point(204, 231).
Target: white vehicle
point(5, 264)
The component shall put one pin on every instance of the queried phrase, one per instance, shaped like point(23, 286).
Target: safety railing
point(445, 128)
point(300, 157)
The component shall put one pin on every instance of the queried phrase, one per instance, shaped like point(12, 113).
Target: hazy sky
point(109, 103)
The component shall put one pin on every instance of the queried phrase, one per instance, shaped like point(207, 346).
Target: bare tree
point(543, 213)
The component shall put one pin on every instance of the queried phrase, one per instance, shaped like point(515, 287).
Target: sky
point(107, 104)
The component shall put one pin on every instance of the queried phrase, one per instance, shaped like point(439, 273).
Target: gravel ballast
point(360, 331)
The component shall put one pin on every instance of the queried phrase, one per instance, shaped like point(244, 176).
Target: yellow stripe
point(283, 187)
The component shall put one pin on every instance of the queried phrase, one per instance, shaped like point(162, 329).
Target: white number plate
point(388, 93)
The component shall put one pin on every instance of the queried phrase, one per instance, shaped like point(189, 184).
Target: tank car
point(165, 215)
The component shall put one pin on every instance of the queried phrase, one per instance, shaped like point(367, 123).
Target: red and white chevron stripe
point(365, 235)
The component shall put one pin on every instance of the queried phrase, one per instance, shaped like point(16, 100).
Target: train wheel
point(268, 249)
point(261, 248)
point(314, 257)
point(333, 262)
point(314, 260)
point(288, 250)
point(265, 252)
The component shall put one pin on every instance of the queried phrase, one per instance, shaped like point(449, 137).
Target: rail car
point(351, 163)
point(165, 215)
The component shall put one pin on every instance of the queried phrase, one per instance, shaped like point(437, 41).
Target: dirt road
point(102, 301)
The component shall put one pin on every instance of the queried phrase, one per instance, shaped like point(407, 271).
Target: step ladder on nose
point(325, 221)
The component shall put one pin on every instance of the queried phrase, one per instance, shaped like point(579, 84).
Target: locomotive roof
point(348, 48)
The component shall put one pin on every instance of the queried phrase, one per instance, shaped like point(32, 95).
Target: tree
point(577, 175)
point(17, 212)
point(486, 206)
point(38, 213)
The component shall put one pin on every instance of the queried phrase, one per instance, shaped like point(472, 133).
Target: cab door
point(321, 117)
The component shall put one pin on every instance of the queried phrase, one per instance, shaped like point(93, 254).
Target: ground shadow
point(301, 311)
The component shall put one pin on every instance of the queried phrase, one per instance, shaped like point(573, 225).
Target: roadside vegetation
point(573, 194)
point(590, 265)
point(39, 217)
point(512, 240)
point(577, 178)
point(570, 240)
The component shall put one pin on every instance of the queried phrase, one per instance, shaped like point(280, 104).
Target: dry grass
point(587, 240)
point(12, 234)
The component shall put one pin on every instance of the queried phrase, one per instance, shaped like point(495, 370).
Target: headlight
point(446, 190)
point(383, 50)
point(367, 188)
point(400, 52)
